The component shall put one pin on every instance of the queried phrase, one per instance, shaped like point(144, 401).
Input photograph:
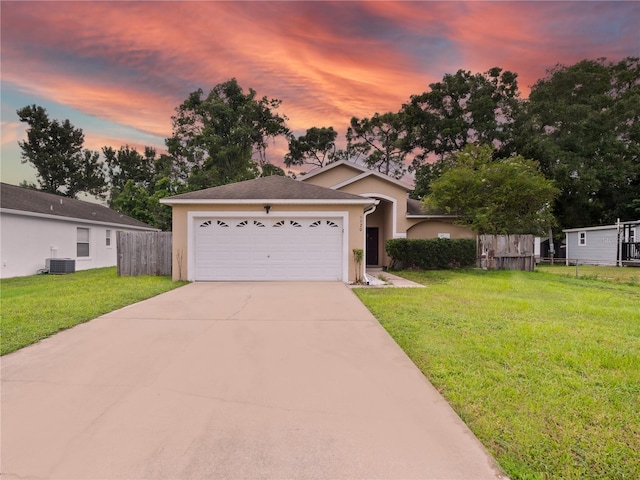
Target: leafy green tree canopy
point(316, 147)
point(268, 169)
point(502, 196)
point(222, 137)
point(463, 108)
point(425, 175)
point(582, 123)
point(144, 203)
point(138, 181)
point(56, 151)
point(381, 141)
point(127, 164)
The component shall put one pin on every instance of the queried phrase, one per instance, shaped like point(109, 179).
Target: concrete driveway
point(230, 380)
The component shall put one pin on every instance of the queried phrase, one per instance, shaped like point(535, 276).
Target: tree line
point(566, 156)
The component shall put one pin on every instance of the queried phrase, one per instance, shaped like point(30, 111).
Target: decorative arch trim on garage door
point(245, 246)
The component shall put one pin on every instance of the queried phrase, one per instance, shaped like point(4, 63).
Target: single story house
point(395, 215)
point(604, 245)
point(277, 228)
point(270, 228)
point(36, 226)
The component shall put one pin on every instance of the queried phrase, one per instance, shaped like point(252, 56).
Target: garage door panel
point(268, 249)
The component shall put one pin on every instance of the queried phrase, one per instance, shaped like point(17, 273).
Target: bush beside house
point(431, 254)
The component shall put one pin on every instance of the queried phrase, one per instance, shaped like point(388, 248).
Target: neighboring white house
point(36, 226)
point(605, 245)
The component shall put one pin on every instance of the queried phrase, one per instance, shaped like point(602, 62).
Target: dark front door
point(372, 245)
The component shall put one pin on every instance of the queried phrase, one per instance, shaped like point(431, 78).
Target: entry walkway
point(230, 380)
point(376, 277)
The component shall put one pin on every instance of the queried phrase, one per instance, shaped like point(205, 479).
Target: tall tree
point(382, 142)
point(494, 196)
point(56, 150)
point(138, 182)
point(316, 147)
point(582, 122)
point(222, 137)
point(463, 108)
point(126, 164)
point(426, 174)
point(144, 203)
point(268, 169)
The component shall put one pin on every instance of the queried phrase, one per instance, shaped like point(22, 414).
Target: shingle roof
point(416, 207)
point(268, 188)
point(35, 201)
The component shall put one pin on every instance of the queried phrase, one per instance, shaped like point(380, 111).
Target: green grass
point(544, 369)
point(36, 307)
point(630, 275)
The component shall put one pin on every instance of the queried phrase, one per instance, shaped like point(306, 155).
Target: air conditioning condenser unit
point(60, 266)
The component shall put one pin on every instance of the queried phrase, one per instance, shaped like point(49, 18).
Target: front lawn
point(38, 306)
point(543, 368)
point(630, 275)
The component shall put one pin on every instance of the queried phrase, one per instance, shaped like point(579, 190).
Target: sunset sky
point(119, 69)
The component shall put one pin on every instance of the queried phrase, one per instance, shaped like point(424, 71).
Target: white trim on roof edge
point(602, 227)
point(331, 166)
point(61, 218)
point(365, 173)
point(418, 217)
point(272, 201)
point(381, 176)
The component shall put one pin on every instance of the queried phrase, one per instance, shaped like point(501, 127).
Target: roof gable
point(357, 169)
point(32, 201)
point(266, 188)
point(359, 172)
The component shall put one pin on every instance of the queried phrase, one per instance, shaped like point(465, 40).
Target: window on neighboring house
point(632, 235)
point(108, 238)
point(582, 238)
point(82, 246)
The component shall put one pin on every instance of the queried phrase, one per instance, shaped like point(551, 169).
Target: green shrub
point(431, 254)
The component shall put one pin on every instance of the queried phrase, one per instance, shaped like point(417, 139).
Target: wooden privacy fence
point(505, 252)
point(144, 253)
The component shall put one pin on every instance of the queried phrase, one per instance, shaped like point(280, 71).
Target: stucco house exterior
point(36, 226)
point(395, 215)
point(604, 245)
point(277, 228)
point(271, 228)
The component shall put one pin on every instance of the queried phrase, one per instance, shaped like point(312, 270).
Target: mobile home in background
point(605, 245)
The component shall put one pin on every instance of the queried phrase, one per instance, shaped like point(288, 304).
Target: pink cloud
point(531, 37)
point(322, 79)
point(525, 37)
point(133, 63)
point(12, 132)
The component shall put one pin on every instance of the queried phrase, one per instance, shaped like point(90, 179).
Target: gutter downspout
point(364, 243)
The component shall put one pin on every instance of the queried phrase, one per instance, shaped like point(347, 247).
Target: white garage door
point(268, 249)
